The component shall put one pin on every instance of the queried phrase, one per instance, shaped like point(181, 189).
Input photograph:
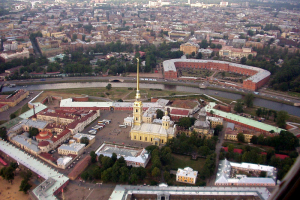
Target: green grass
point(22, 110)
point(181, 161)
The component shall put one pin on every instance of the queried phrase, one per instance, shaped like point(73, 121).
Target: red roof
point(62, 134)
point(298, 136)
point(2, 105)
point(48, 156)
point(179, 112)
point(3, 162)
point(234, 150)
point(44, 135)
point(237, 151)
point(43, 143)
point(281, 156)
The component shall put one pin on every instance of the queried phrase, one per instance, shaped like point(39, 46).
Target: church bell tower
point(137, 105)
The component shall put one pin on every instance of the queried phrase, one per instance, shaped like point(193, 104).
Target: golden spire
point(138, 95)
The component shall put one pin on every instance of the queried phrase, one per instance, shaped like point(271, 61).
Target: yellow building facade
point(147, 131)
point(186, 175)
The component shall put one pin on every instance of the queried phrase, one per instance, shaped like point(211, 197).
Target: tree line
point(254, 155)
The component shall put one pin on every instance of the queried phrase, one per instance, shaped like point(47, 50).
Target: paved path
point(211, 180)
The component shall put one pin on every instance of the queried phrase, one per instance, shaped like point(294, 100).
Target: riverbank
point(177, 83)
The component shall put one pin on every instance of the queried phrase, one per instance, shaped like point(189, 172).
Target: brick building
point(258, 77)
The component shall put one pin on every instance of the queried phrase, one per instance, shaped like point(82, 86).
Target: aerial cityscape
point(160, 99)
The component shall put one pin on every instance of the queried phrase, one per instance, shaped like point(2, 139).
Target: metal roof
point(240, 119)
point(54, 179)
point(121, 192)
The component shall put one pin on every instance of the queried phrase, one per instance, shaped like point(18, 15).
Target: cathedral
point(157, 131)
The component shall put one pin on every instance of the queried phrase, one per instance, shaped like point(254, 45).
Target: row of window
point(146, 139)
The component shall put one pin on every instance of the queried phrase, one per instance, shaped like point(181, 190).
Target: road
point(221, 136)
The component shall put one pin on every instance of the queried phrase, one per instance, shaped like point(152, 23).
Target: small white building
point(186, 175)
point(128, 121)
point(74, 148)
point(134, 156)
point(64, 162)
point(78, 137)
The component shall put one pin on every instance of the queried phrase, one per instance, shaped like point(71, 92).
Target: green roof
point(243, 120)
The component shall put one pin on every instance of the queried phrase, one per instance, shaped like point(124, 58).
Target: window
point(136, 118)
point(145, 138)
point(162, 141)
point(140, 137)
point(151, 139)
point(136, 110)
point(135, 137)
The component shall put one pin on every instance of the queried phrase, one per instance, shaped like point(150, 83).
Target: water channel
point(258, 101)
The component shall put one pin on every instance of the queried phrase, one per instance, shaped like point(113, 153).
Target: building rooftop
point(169, 65)
point(123, 191)
point(187, 172)
point(132, 154)
point(54, 180)
point(27, 142)
point(72, 147)
point(243, 120)
point(81, 135)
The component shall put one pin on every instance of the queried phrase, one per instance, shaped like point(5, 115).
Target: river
point(258, 101)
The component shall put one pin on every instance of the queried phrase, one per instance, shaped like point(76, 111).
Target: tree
point(167, 176)
point(261, 139)
point(159, 113)
point(124, 174)
point(120, 100)
point(93, 156)
point(243, 60)
point(204, 150)
point(133, 178)
point(155, 172)
point(185, 122)
point(84, 140)
point(3, 133)
point(25, 186)
point(249, 100)
point(241, 137)
point(199, 55)
point(114, 157)
point(33, 131)
point(106, 175)
point(204, 44)
point(12, 116)
point(230, 147)
point(254, 139)
point(106, 162)
point(258, 112)
point(239, 106)
point(8, 173)
point(218, 129)
point(282, 116)
point(108, 87)
point(250, 56)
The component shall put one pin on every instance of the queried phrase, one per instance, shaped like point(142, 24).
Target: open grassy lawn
point(196, 72)
point(181, 161)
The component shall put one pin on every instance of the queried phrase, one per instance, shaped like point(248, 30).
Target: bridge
point(116, 80)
